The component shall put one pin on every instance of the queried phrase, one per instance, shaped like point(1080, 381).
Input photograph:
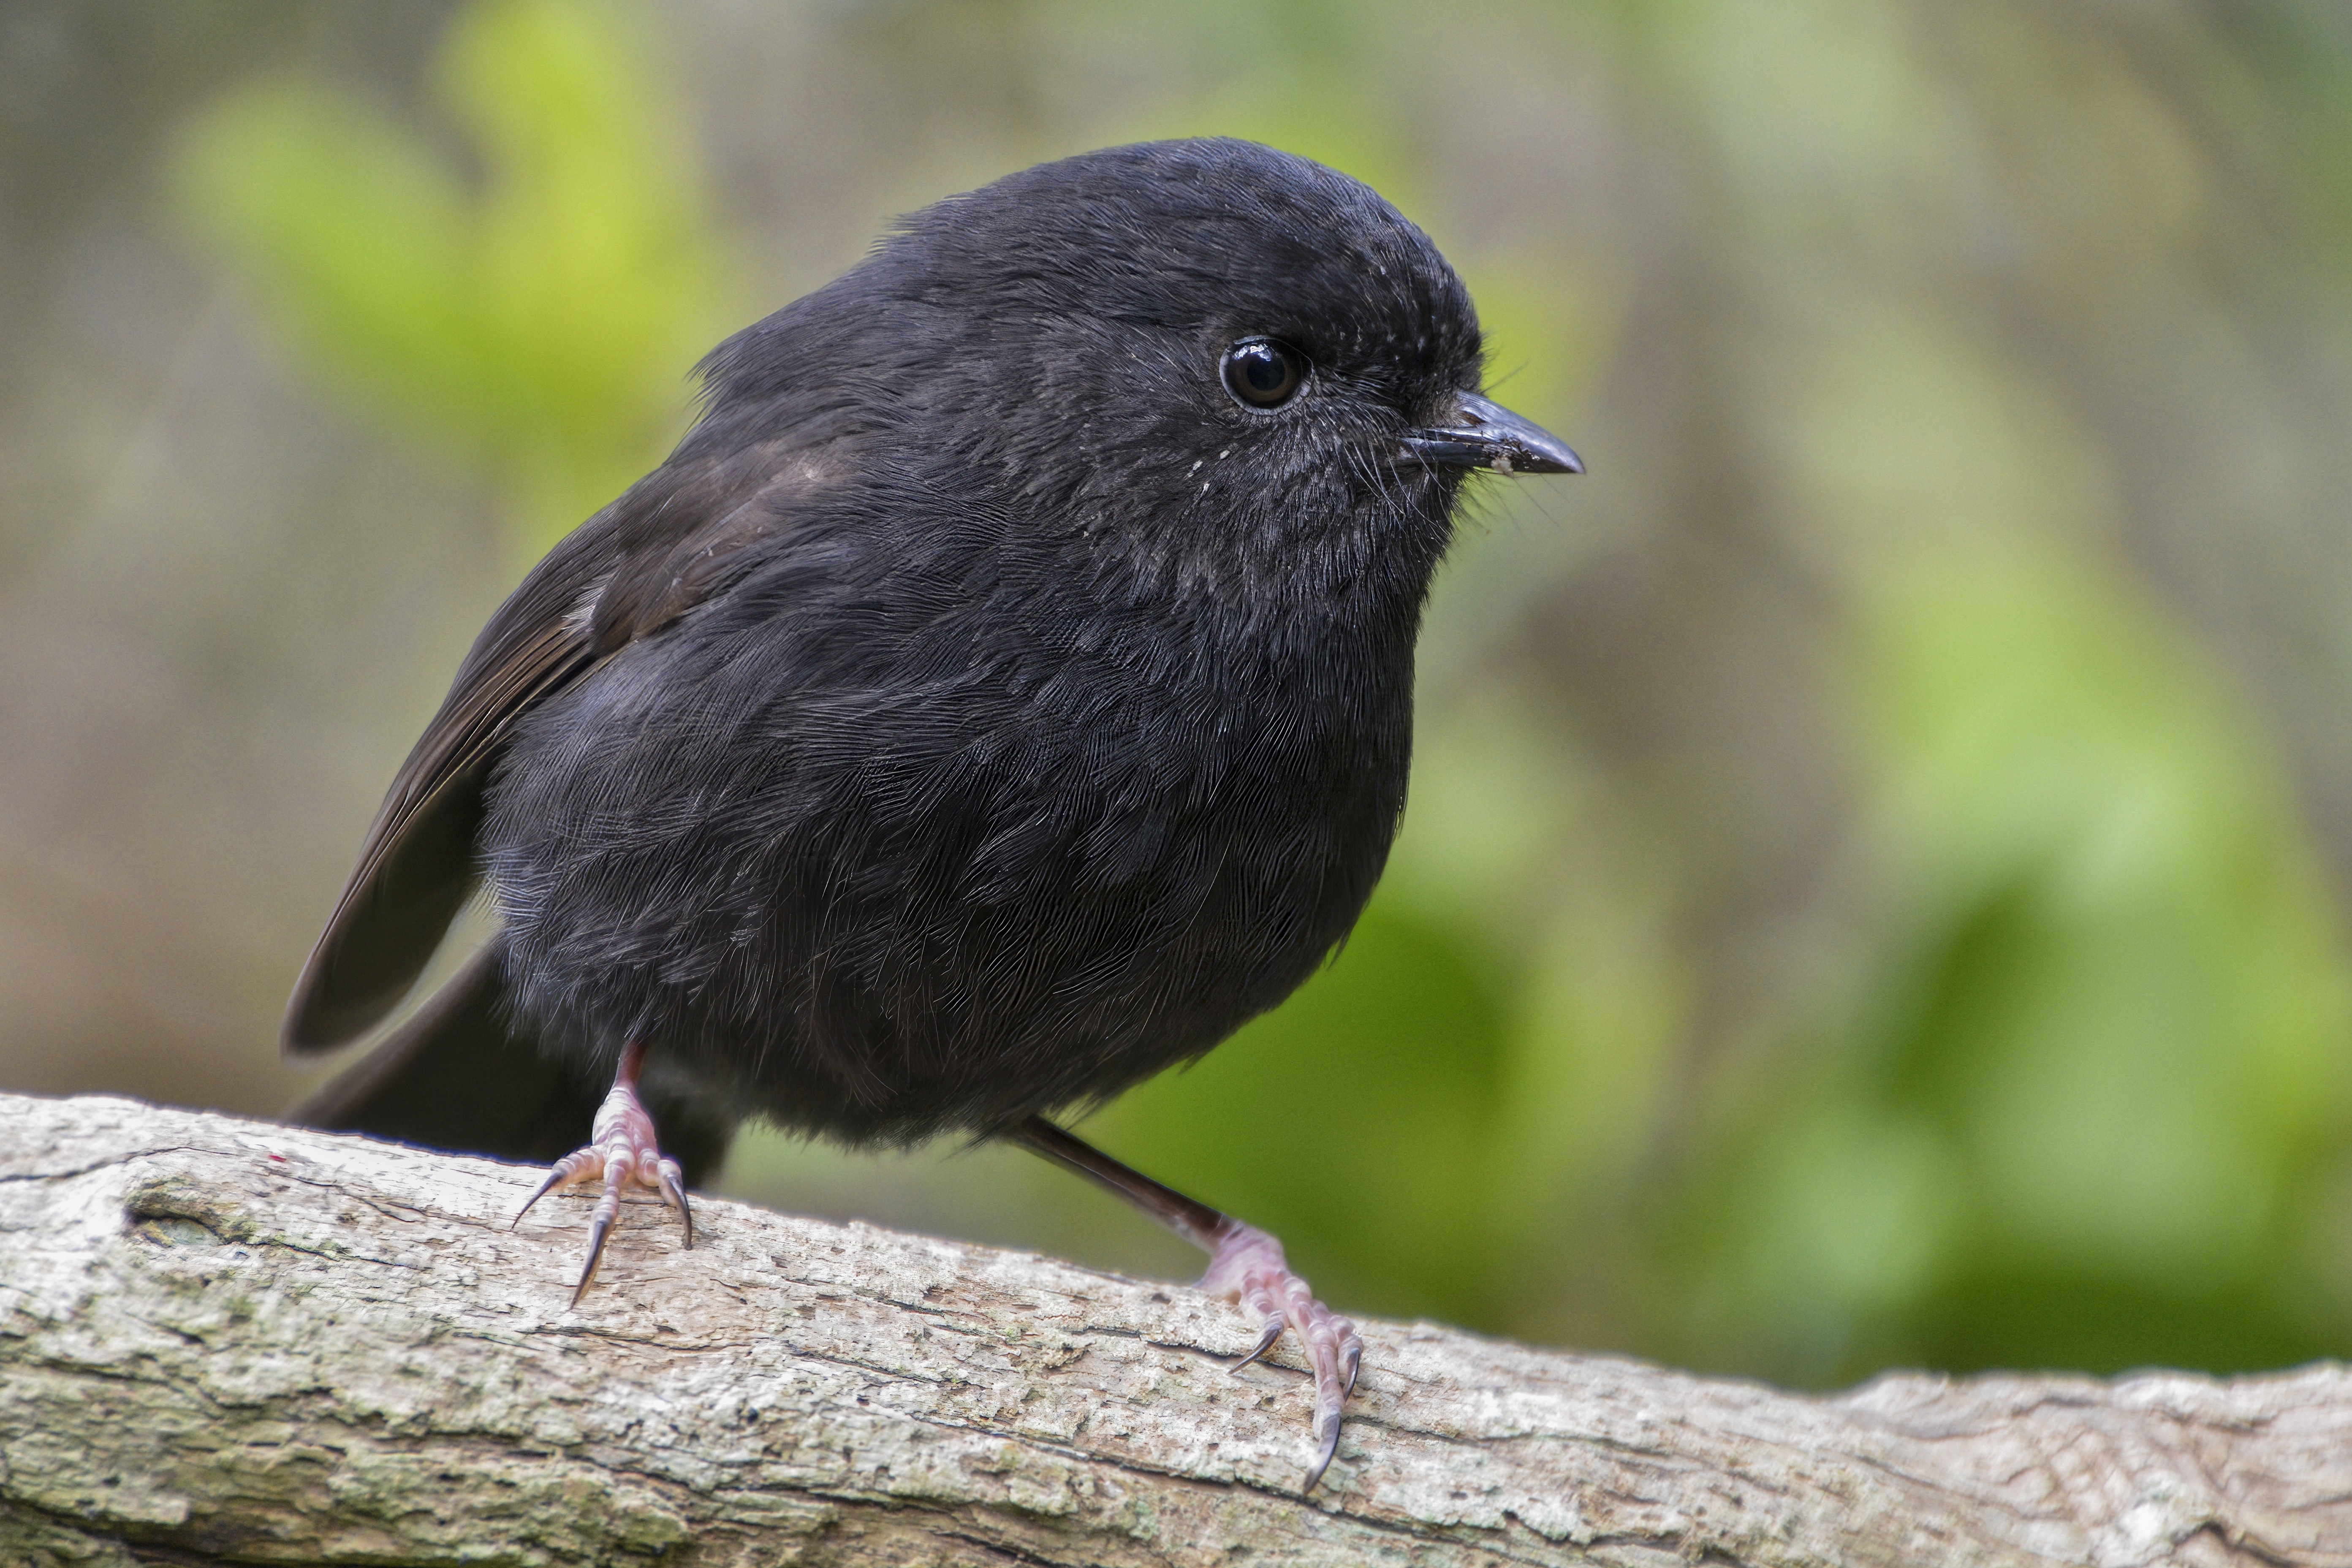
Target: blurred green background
point(1874, 891)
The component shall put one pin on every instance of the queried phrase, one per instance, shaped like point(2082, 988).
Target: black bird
point(1001, 693)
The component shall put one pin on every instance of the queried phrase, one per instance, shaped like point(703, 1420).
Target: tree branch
point(230, 1342)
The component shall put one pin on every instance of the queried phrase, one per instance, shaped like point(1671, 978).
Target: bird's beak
point(1484, 435)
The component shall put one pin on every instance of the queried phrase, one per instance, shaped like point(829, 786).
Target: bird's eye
point(1262, 373)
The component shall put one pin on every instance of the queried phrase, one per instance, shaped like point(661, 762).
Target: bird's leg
point(1246, 1265)
point(621, 1149)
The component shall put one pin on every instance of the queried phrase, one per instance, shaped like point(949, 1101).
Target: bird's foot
point(1246, 1265)
point(623, 1151)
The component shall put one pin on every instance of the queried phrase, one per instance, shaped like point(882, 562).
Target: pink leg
point(622, 1150)
point(1246, 1265)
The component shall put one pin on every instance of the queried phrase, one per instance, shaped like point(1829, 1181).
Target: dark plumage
point(1001, 693)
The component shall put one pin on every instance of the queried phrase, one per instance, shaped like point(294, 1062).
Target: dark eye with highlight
point(1262, 372)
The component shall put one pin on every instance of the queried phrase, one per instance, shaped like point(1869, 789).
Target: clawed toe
point(673, 1191)
point(624, 1153)
point(1327, 1444)
point(1268, 1337)
point(1246, 1265)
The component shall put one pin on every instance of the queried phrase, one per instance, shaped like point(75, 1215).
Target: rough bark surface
point(230, 1342)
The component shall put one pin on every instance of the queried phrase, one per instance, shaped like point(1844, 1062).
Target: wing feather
point(677, 536)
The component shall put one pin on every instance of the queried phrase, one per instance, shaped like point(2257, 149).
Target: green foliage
point(536, 321)
point(2093, 1072)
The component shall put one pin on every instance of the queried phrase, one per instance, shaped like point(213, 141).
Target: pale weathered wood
point(224, 1340)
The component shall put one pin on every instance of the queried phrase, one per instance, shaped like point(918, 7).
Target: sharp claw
point(622, 1153)
point(1266, 1342)
point(1355, 1365)
point(1327, 1431)
point(554, 1178)
point(673, 1191)
point(598, 1229)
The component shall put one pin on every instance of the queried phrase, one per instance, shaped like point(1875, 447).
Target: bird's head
point(1201, 357)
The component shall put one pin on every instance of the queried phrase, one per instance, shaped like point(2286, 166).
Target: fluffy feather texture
point(982, 709)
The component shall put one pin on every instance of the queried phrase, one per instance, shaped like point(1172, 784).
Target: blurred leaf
point(2098, 1054)
point(540, 324)
point(355, 241)
point(2138, 1001)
